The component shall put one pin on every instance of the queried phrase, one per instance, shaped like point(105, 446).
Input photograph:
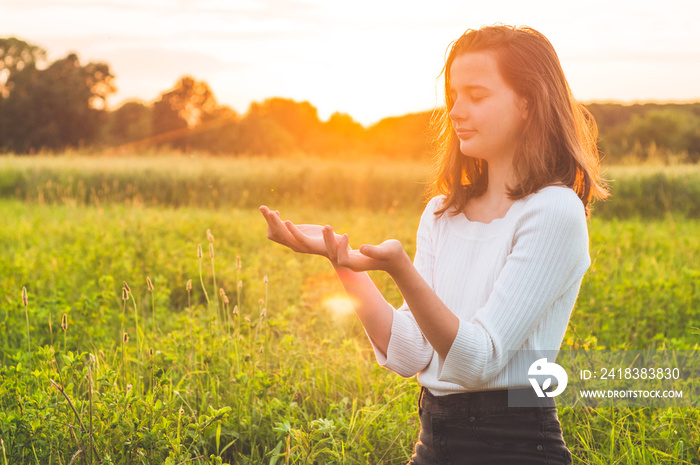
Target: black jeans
point(480, 428)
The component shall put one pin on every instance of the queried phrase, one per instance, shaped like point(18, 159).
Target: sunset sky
point(368, 58)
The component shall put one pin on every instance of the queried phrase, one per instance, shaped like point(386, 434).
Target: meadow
point(195, 180)
point(249, 353)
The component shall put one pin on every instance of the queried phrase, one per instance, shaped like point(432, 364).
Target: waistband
point(486, 400)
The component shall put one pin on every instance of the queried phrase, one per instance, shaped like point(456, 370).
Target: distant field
point(289, 377)
point(199, 181)
point(213, 182)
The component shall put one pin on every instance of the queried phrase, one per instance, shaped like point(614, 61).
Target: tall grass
point(202, 181)
point(212, 182)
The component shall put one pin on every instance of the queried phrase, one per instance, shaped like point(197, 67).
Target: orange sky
point(369, 58)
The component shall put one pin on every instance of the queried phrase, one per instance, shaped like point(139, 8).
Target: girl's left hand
point(302, 238)
point(388, 256)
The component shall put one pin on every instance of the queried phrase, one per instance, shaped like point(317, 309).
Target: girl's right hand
point(303, 238)
point(388, 256)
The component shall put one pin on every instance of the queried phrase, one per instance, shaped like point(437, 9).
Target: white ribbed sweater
point(512, 283)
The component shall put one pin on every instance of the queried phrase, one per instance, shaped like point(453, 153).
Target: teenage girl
point(502, 247)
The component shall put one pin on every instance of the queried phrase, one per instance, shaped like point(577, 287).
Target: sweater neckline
point(494, 222)
point(511, 210)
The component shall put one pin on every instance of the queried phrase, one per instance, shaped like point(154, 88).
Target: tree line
point(60, 105)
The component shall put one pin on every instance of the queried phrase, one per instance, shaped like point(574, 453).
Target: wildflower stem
point(201, 279)
point(77, 415)
point(153, 305)
point(151, 354)
point(89, 374)
point(213, 273)
point(136, 320)
point(239, 285)
point(124, 358)
point(189, 311)
point(125, 297)
point(50, 329)
point(177, 442)
point(25, 301)
point(152, 290)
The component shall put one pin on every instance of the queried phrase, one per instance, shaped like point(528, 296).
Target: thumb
point(372, 251)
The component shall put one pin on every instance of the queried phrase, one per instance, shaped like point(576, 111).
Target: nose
point(459, 110)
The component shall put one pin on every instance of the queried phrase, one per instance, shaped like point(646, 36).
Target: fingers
point(298, 235)
point(343, 251)
point(331, 243)
point(276, 230)
point(372, 251)
point(273, 220)
point(269, 214)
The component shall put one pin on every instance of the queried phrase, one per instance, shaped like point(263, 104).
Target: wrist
point(401, 266)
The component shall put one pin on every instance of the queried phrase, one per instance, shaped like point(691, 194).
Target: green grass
point(202, 181)
point(254, 382)
point(299, 384)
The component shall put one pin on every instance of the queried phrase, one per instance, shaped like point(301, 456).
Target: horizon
point(599, 102)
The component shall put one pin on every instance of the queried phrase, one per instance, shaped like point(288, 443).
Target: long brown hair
point(559, 136)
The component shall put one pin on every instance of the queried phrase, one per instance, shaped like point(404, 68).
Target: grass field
point(200, 181)
point(283, 372)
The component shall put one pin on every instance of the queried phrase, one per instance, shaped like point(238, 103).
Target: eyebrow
point(476, 87)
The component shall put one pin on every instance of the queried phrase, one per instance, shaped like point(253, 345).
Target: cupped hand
point(388, 256)
point(302, 238)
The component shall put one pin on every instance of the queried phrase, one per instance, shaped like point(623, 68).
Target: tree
point(181, 108)
point(129, 123)
point(16, 55)
point(298, 119)
point(256, 135)
point(341, 134)
point(406, 136)
point(217, 132)
point(674, 130)
point(60, 106)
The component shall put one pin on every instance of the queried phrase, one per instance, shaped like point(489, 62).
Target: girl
point(502, 247)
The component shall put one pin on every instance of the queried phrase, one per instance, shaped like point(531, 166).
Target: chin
point(468, 151)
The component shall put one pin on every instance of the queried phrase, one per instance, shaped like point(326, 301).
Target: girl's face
point(487, 113)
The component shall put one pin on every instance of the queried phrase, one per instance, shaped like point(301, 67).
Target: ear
point(524, 108)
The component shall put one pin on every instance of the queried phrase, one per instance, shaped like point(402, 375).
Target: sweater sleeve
point(542, 274)
point(409, 352)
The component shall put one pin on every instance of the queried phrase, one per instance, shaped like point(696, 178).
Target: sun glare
point(339, 305)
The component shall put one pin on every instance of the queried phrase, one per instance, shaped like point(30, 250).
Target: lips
point(464, 133)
